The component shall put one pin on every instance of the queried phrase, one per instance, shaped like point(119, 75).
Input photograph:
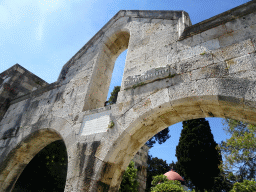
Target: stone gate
point(174, 71)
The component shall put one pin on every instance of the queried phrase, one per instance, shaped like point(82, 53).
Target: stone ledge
point(36, 92)
point(220, 19)
point(148, 77)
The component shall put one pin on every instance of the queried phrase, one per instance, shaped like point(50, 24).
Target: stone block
point(235, 88)
point(121, 22)
point(169, 22)
point(204, 87)
point(184, 44)
point(232, 112)
point(237, 36)
point(232, 51)
point(180, 90)
point(210, 45)
point(233, 25)
point(247, 20)
point(150, 127)
point(159, 98)
point(191, 52)
point(173, 58)
point(217, 70)
point(243, 63)
point(197, 39)
point(250, 95)
point(214, 33)
point(188, 112)
point(212, 110)
point(249, 75)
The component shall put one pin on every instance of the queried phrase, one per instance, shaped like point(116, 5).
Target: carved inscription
point(95, 123)
point(148, 76)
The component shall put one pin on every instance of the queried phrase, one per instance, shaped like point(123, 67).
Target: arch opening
point(161, 116)
point(18, 157)
point(112, 47)
point(116, 80)
point(221, 136)
point(47, 171)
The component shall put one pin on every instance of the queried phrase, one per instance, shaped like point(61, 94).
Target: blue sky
point(42, 35)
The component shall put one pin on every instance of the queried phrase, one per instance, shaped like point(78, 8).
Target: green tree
point(155, 167)
point(113, 97)
point(160, 137)
point(240, 150)
point(197, 154)
point(162, 184)
point(222, 182)
point(245, 186)
point(129, 181)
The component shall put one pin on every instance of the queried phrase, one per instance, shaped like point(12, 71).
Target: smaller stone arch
point(18, 158)
point(114, 42)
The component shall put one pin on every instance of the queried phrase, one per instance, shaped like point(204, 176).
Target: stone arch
point(114, 42)
point(151, 115)
point(22, 154)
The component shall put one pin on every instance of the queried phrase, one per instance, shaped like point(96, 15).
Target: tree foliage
point(199, 159)
point(160, 137)
point(114, 93)
point(245, 186)
point(222, 182)
point(240, 150)
point(162, 184)
point(129, 181)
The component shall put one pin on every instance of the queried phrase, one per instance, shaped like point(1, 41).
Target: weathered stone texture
point(174, 71)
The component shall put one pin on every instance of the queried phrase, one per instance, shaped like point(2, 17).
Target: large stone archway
point(174, 71)
point(152, 114)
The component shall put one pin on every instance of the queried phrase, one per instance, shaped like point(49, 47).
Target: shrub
point(245, 186)
point(162, 184)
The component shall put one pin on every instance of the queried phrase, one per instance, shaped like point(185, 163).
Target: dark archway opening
point(46, 172)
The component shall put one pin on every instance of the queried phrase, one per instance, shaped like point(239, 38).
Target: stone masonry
point(174, 71)
point(140, 159)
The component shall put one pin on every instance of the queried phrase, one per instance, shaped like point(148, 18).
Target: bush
point(162, 184)
point(245, 186)
point(129, 181)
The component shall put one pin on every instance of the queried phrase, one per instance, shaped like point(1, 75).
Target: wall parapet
point(219, 19)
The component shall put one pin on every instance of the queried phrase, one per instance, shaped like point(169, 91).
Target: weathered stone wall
point(140, 159)
point(174, 72)
point(15, 82)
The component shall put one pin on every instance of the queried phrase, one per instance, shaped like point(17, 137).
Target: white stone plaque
point(95, 123)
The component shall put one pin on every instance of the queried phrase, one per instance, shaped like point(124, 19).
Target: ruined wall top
point(15, 82)
point(170, 15)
